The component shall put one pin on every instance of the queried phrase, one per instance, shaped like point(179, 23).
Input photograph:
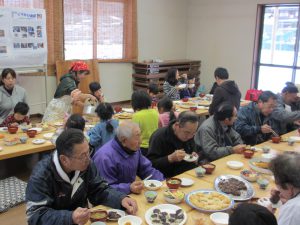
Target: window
point(102, 29)
point(37, 4)
point(277, 57)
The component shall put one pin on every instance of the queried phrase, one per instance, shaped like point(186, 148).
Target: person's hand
point(176, 156)
point(130, 205)
point(81, 216)
point(297, 122)
point(265, 129)
point(136, 187)
point(238, 149)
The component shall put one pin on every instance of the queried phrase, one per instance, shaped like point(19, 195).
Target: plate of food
point(209, 201)
point(38, 141)
point(123, 115)
point(260, 165)
point(115, 214)
point(165, 213)
point(11, 141)
point(190, 158)
point(204, 103)
point(187, 105)
point(236, 187)
point(152, 185)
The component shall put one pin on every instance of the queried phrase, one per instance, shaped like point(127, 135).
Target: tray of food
point(187, 105)
point(260, 165)
point(123, 115)
point(209, 201)
point(236, 187)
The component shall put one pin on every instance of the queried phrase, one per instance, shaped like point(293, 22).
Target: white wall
point(161, 34)
point(221, 33)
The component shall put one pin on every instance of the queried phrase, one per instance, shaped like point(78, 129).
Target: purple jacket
point(120, 169)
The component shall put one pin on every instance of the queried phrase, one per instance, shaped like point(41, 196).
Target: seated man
point(216, 137)
point(61, 185)
point(169, 145)
point(286, 111)
point(120, 160)
point(254, 122)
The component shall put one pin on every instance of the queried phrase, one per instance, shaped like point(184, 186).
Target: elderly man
point(120, 160)
point(216, 137)
point(286, 112)
point(61, 185)
point(169, 145)
point(254, 122)
point(226, 91)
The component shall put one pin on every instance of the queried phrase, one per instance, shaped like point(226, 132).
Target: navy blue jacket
point(51, 199)
point(249, 122)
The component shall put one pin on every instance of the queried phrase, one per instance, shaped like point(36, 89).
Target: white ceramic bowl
point(134, 220)
point(235, 165)
point(149, 183)
point(219, 218)
point(48, 136)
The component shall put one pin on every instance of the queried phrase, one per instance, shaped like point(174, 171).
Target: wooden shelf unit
point(155, 72)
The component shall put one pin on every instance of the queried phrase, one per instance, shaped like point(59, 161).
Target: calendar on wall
point(23, 39)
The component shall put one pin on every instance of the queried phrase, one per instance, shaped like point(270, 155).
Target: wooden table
point(204, 111)
point(207, 182)
point(24, 149)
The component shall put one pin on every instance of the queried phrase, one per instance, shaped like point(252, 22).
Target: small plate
point(188, 158)
point(186, 182)
point(259, 169)
point(120, 212)
point(38, 141)
point(128, 110)
point(266, 202)
point(3, 129)
point(58, 124)
point(295, 138)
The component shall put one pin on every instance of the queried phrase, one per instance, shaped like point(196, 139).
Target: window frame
point(130, 53)
point(258, 45)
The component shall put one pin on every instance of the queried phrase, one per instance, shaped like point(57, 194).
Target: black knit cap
point(252, 214)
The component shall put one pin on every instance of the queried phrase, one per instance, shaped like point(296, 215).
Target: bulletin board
point(23, 39)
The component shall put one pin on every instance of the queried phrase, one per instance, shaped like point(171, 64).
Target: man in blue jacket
point(254, 122)
point(61, 185)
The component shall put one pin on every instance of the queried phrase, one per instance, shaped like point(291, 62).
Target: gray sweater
point(8, 102)
point(214, 140)
point(283, 116)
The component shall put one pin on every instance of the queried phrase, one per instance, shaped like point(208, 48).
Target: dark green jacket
point(66, 86)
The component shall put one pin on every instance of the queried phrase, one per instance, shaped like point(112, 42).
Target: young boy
point(18, 117)
point(152, 90)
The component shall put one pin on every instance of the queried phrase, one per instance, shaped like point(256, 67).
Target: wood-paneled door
point(62, 68)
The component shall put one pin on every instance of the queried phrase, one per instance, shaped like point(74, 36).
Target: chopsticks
point(274, 133)
point(147, 178)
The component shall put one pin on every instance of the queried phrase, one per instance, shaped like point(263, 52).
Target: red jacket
point(11, 119)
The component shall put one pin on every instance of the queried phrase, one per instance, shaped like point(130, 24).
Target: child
point(199, 88)
point(152, 90)
point(95, 89)
point(166, 112)
point(18, 117)
point(104, 131)
point(145, 117)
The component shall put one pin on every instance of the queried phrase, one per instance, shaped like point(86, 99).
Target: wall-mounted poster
point(23, 39)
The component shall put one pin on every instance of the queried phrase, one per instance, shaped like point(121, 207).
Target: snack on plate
point(160, 217)
point(264, 165)
point(210, 201)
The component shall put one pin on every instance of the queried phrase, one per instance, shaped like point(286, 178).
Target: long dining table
point(195, 217)
point(20, 149)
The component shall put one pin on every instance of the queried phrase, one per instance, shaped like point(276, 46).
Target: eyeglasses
point(83, 156)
